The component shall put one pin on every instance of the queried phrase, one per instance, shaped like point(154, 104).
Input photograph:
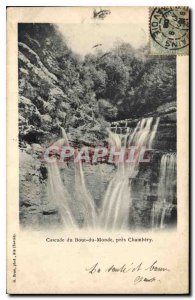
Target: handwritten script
point(143, 272)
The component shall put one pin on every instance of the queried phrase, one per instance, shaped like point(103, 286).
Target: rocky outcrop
point(46, 102)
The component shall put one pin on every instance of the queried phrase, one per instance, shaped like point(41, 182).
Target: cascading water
point(116, 204)
point(58, 195)
point(166, 191)
point(153, 134)
point(84, 198)
point(64, 135)
point(117, 200)
point(115, 207)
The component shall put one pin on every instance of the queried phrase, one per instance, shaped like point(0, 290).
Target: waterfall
point(83, 195)
point(84, 198)
point(58, 195)
point(117, 201)
point(64, 135)
point(153, 134)
point(166, 191)
point(116, 204)
point(115, 207)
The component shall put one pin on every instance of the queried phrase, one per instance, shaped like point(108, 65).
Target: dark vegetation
point(58, 88)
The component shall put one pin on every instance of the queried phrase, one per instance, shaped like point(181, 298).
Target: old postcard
point(97, 150)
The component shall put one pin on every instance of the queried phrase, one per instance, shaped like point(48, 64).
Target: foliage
point(70, 92)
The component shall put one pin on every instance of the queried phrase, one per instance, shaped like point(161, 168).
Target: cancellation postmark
point(169, 30)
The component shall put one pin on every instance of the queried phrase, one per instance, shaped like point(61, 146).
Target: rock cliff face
point(55, 89)
point(47, 97)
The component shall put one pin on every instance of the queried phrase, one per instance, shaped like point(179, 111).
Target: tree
point(107, 110)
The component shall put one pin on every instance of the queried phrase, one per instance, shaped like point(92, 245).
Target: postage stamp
point(169, 30)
